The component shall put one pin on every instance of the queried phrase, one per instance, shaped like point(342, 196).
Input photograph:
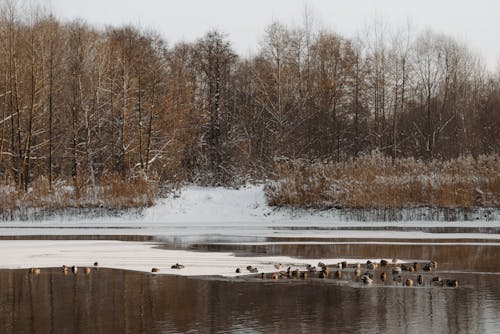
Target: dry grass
point(113, 192)
point(375, 182)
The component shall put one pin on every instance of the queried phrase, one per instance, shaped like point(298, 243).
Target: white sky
point(477, 23)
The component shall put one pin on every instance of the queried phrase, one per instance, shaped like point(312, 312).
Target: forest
point(113, 116)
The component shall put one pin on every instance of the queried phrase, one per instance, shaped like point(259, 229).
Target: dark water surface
point(113, 301)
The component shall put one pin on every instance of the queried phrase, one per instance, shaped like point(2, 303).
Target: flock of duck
point(87, 270)
point(406, 274)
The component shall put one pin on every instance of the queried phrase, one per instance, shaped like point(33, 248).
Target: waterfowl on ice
point(155, 270)
point(177, 266)
point(366, 279)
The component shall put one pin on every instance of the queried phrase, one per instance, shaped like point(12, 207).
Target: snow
point(139, 256)
point(211, 215)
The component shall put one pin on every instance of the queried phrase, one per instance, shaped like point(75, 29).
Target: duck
point(311, 269)
point(427, 267)
point(87, 270)
point(452, 283)
point(304, 275)
point(383, 276)
point(396, 270)
point(436, 280)
point(409, 282)
point(366, 279)
point(338, 274)
point(296, 273)
point(254, 270)
point(343, 265)
point(383, 263)
point(434, 264)
point(96, 264)
point(35, 271)
point(323, 274)
point(155, 270)
point(420, 279)
point(357, 272)
point(321, 265)
point(415, 266)
point(74, 269)
point(357, 266)
point(238, 270)
point(177, 266)
point(275, 276)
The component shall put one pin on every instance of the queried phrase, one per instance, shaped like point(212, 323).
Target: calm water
point(113, 301)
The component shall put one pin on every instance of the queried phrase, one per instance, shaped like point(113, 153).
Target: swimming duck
point(338, 274)
point(437, 280)
point(238, 270)
point(383, 263)
point(370, 265)
point(420, 279)
point(343, 265)
point(74, 269)
point(296, 273)
point(321, 265)
point(96, 264)
point(304, 275)
point(34, 271)
point(383, 276)
point(409, 282)
point(323, 274)
point(427, 267)
point(87, 270)
point(357, 272)
point(452, 283)
point(155, 270)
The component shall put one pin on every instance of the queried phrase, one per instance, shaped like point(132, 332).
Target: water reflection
point(112, 301)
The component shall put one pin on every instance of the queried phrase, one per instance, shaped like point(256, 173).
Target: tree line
point(83, 104)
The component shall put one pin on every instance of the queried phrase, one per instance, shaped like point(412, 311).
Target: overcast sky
point(477, 23)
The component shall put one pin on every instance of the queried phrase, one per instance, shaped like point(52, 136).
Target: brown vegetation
point(377, 182)
point(112, 193)
point(89, 110)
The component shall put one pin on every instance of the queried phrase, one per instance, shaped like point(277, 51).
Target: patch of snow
point(139, 256)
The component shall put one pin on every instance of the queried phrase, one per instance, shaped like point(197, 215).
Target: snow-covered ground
point(208, 215)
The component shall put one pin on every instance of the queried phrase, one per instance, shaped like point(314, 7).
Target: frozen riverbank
point(203, 228)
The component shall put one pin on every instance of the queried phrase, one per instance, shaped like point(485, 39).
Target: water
point(112, 301)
